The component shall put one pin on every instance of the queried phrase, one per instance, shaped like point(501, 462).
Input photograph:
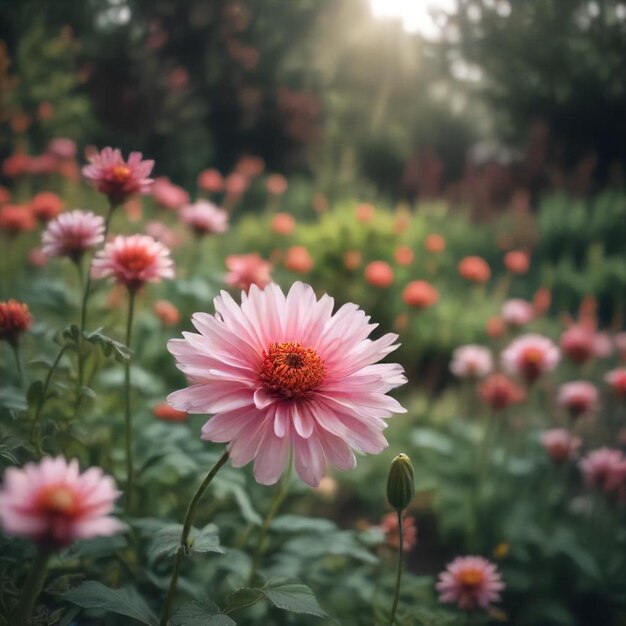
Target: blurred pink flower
point(620, 344)
point(602, 345)
point(530, 356)
point(62, 148)
point(471, 361)
point(470, 582)
point(133, 261)
point(389, 526)
point(499, 392)
point(282, 373)
point(72, 233)
point(118, 179)
point(168, 195)
point(163, 233)
point(283, 224)
point(578, 397)
point(167, 312)
point(52, 503)
point(605, 469)
point(616, 379)
point(299, 260)
point(205, 218)
point(420, 294)
point(379, 274)
point(577, 342)
point(210, 180)
point(276, 184)
point(16, 218)
point(245, 270)
point(517, 312)
point(560, 444)
point(46, 206)
point(236, 184)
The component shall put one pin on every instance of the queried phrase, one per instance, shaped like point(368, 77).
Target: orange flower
point(166, 413)
point(167, 312)
point(420, 294)
point(46, 205)
point(16, 218)
point(15, 319)
point(299, 260)
point(435, 244)
point(210, 180)
point(5, 195)
point(352, 260)
point(474, 269)
point(517, 262)
point(364, 212)
point(542, 300)
point(379, 274)
point(283, 224)
point(403, 255)
point(495, 327)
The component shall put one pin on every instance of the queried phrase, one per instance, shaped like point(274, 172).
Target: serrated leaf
point(124, 601)
point(200, 614)
point(205, 540)
point(109, 346)
point(293, 597)
point(166, 541)
point(243, 598)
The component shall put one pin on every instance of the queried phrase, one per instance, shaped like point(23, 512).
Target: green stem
point(42, 401)
point(18, 363)
point(127, 420)
point(396, 598)
point(279, 497)
point(32, 588)
point(183, 548)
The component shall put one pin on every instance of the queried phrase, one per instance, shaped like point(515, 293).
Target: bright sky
point(416, 15)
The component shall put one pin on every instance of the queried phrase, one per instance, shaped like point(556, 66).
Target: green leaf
point(243, 598)
point(166, 542)
point(13, 398)
point(200, 614)
point(109, 346)
point(205, 540)
point(72, 333)
point(125, 601)
point(35, 393)
point(293, 597)
point(301, 524)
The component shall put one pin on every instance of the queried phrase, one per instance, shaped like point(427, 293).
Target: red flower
point(499, 392)
point(16, 218)
point(420, 294)
point(474, 269)
point(517, 262)
point(379, 274)
point(15, 319)
point(46, 206)
point(435, 244)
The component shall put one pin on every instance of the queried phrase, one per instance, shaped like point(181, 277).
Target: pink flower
point(578, 343)
point(470, 582)
point(118, 179)
point(52, 503)
point(282, 373)
point(245, 270)
point(210, 180)
point(620, 344)
point(530, 356)
point(616, 379)
point(517, 312)
point(133, 261)
point(471, 361)
point(62, 148)
point(159, 231)
point(605, 469)
point(168, 195)
point(602, 345)
point(236, 184)
point(204, 217)
point(498, 392)
point(276, 184)
point(389, 526)
point(560, 444)
point(72, 233)
point(578, 397)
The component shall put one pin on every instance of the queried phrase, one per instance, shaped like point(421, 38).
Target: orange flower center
point(471, 578)
point(533, 356)
point(290, 370)
point(120, 173)
point(59, 499)
point(136, 259)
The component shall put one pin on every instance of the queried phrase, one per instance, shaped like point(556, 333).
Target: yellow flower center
point(57, 499)
point(120, 173)
point(471, 577)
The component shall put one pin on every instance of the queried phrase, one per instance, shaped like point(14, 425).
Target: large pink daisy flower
point(54, 504)
point(283, 373)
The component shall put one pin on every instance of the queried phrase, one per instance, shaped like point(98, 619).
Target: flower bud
point(400, 483)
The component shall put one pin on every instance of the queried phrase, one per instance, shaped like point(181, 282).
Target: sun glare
point(417, 16)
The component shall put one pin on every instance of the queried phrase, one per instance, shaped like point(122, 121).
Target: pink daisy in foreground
point(578, 397)
point(72, 233)
point(530, 356)
point(133, 261)
point(470, 582)
point(205, 218)
point(118, 179)
point(560, 444)
point(54, 504)
point(245, 270)
point(471, 361)
point(283, 373)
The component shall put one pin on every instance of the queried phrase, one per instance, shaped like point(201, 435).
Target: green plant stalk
point(18, 363)
point(396, 597)
point(184, 537)
point(279, 497)
point(35, 580)
point(127, 419)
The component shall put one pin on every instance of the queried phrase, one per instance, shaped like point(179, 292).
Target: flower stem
point(279, 497)
point(35, 580)
point(127, 420)
point(399, 574)
point(183, 548)
point(18, 363)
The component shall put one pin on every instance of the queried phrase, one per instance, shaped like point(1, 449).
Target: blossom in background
point(298, 260)
point(403, 255)
point(116, 178)
point(604, 469)
point(578, 342)
point(495, 327)
point(205, 218)
point(471, 361)
point(54, 504)
point(379, 274)
point(168, 195)
point(250, 166)
point(211, 181)
point(560, 444)
point(602, 345)
point(133, 261)
point(364, 212)
point(276, 185)
point(46, 205)
point(517, 312)
point(517, 262)
point(37, 257)
point(16, 218)
point(163, 233)
point(542, 300)
point(530, 356)
point(245, 270)
point(5, 195)
point(236, 184)
point(165, 412)
point(435, 244)
point(620, 344)
point(283, 224)
point(15, 319)
point(167, 312)
point(499, 392)
point(389, 526)
point(474, 269)
point(616, 379)
point(72, 233)
point(352, 260)
point(283, 373)
point(420, 294)
point(62, 148)
point(470, 582)
point(578, 397)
